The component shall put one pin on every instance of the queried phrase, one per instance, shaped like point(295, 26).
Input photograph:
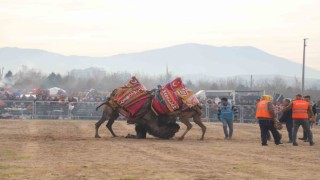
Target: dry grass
point(49, 149)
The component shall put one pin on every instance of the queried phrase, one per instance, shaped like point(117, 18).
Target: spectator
point(300, 111)
point(305, 134)
point(226, 117)
point(287, 118)
point(265, 114)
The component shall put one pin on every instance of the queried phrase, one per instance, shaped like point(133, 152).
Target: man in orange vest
point(266, 116)
point(300, 115)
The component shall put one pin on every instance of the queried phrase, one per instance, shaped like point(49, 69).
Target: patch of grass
point(5, 167)
point(125, 179)
point(22, 157)
point(6, 175)
point(8, 154)
point(8, 167)
point(11, 155)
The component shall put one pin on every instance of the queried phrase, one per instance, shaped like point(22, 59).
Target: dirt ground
point(59, 149)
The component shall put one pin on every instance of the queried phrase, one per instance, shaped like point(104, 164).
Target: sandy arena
point(59, 149)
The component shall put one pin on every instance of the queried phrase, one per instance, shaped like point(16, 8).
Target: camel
point(151, 121)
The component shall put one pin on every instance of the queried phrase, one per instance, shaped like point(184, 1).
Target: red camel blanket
point(131, 97)
point(187, 96)
point(165, 99)
point(173, 96)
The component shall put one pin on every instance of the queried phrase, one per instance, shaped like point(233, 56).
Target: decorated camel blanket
point(188, 97)
point(131, 97)
point(173, 96)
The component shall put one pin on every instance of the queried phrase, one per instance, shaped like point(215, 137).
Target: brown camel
point(150, 119)
point(149, 122)
point(195, 114)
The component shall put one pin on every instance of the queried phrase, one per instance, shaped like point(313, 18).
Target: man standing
point(305, 134)
point(226, 117)
point(266, 116)
point(287, 118)
point(300, 109)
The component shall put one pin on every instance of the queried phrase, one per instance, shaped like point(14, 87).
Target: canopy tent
point(28, 96)
point(55, 91)
point(91, 92)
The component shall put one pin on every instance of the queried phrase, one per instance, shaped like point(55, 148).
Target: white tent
point(55, 91)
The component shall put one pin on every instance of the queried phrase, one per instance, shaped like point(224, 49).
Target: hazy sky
point(103, 28)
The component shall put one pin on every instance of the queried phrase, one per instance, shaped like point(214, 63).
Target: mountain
point(185, 60)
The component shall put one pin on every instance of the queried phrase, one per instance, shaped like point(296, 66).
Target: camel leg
point(98, 124)
point(197, 120)
point(113, 117)
point(141, 131)
point(189, 126)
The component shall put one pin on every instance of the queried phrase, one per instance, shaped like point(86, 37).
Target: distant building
point(92, 72)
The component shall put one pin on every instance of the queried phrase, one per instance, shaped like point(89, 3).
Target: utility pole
point(167, 73)
point(1, 73)
point(303, 64)
point(251, 82)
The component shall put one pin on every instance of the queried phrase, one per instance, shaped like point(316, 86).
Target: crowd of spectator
point(41, 104)
point(14, 104)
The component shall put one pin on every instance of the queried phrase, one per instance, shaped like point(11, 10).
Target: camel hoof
point(130, 136)
point(180, 139)
point(97, 136)
point(201, 139)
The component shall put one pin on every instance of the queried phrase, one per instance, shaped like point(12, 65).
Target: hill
point(184, 60)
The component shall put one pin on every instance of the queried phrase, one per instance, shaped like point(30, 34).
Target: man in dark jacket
point(314, 110)
point(300, 115)
point(287, 118)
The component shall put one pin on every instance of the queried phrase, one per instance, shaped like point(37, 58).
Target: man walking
point(266, 116)
point(300, 109)
point(226, 117)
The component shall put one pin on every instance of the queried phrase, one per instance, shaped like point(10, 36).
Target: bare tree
point(27, 78)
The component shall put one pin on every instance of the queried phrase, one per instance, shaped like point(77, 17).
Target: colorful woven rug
point(173, 96)
point(130, 97)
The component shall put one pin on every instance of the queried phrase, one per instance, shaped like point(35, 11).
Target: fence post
point(34, 109)
point(241, 114)
point(207, 112)
point(69, 112)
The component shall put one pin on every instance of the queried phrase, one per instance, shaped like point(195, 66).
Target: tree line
point(28, 78)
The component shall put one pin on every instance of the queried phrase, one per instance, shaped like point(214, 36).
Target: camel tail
point(100, 106)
